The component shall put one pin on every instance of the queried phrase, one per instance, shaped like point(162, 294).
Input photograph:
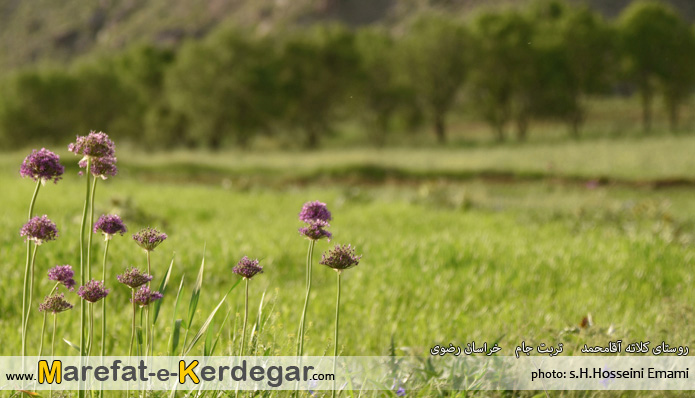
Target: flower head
point(93, 145)
point(63, 274)
point(55, 304)
point(133, 277)
point(103, 167)
point(110, 225)
point(144, 296)
point(247, 268)
point(149, 238)
point(42, 165)
point(340, 258)
point(93, 291)
point(39, 229)
point(315, 230)
point(312, 211)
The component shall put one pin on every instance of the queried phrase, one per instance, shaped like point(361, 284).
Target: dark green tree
point(435, 49)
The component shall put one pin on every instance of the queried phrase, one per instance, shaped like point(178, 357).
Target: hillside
point(40, 30)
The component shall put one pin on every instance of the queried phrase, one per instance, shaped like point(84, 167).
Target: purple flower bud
point(109, 225)
point(144, 296)
point(340, 258)
point(93, 291)
point(312, 211)
point(63, 274)
point(93, 145)
point(247, 268)
point(39, 229)
point(149, 238)
point(103, 167)
point(316, 231)
point(42, 165)
point(133, 278)
point(55, 304)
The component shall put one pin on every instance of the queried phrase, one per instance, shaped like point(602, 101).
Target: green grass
point(444, 260)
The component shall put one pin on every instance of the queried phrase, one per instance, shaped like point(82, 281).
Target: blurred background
point(293, 75)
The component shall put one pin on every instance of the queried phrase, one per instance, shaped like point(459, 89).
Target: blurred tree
point(575, 50)
point(223, 86)
point(318, 69)
point(383, 87)
point(658, 49)
point(504, 74)
point(434, 52)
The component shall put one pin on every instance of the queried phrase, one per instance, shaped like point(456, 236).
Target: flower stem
point(53, 339)
point(246, 317)
point(337, 318)
point(29, 295)
point(132, 331)
point(26, 272)
point(103, 310)
point(148, 328)
point(83, 310)
point(91, 328)
point(300, 334)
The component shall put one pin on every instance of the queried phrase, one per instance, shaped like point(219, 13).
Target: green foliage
point(434, 52)
point(659, 50)
point(318, 67)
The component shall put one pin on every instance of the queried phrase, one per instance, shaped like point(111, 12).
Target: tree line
point(508, 67)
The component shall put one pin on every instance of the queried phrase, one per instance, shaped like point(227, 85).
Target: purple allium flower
point(39, 229)
point(312, 211)
point(93, 291)
point(400, 392)
point(42, 165)
point(110, 225)
point(149, 238)
point(315, 230)
point(144, 296)
point(93, 145)
point(133, 277)
point(63, 274)
point(103, 167)
point(247, 268)
point(55, 304)
point(340, 258)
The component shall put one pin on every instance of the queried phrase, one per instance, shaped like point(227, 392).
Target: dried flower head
point(55, 304)
point(316, 230)
point(42, 165)
point(93, 145)
point(133, 277)
point(39, 229)
point(110, 225)
point(93, 291)
point(63, 274)
point(247, 268)
point(103, 167)
point(312, 211)
point(144, 296)
point(340, 258)
point(149, 238)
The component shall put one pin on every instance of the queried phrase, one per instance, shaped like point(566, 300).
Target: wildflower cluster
point(110, 225)
point(42, 165)
point(64, 275)
point(149, 238)
point(39, 229)
point(316, 216)
point(98, 151)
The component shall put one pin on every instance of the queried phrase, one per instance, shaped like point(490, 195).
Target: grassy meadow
point(507, 243)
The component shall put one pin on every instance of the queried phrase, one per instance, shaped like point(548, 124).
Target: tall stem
point(300, 334)
point(26, 273)
point(103, 311)
point(53, 339)
point(91, 328)
point(29, 296)
point(246, 318)
point(337, 319)
point(83, 262)
point(132, 331)
point(148, 328)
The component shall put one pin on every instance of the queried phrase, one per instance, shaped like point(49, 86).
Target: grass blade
point(174, 337)
point(208, 321)
point(162, 289)
point(195, 295)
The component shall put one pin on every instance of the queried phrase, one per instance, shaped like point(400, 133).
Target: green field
point(507, 243)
